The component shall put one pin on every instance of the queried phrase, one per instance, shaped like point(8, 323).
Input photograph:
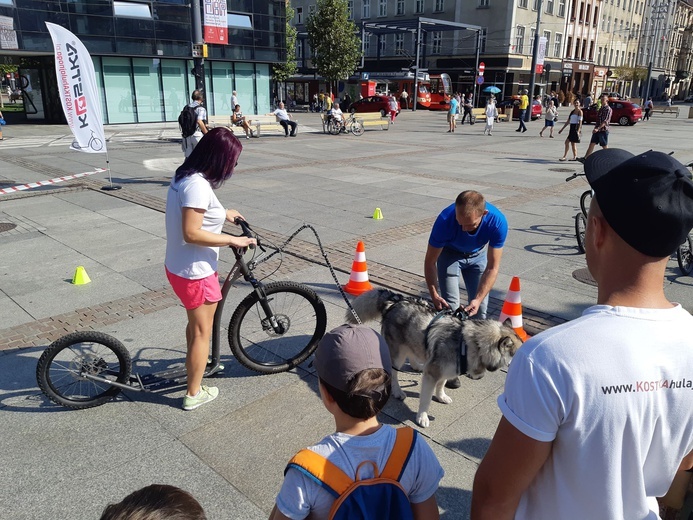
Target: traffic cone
point(512, 309)
point(377, 214)
point(81, 277)
point(358, 279)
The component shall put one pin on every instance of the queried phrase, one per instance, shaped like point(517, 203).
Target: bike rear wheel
point(255, 342)
point(684, 256)
point(333, 127)
point(357, 128)
point(580, 225)
point(62, 367)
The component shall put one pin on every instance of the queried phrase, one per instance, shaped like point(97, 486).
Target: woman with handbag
point(550, 117)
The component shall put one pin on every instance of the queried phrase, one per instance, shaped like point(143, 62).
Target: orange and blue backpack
point(381, 497)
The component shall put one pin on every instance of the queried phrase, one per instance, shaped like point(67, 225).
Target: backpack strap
point(402, 450)
point(321, 471)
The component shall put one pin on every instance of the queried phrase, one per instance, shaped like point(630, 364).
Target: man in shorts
point(600, 134)
point(452, 112)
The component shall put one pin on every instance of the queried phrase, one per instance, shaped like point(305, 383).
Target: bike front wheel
point(684, 256)
point(333, 127)
point(357, 128)
point(580, 225)
point(278, 340)
point(585, 200)
point(64, 366)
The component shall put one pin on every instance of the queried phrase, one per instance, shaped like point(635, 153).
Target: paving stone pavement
point(231, 453)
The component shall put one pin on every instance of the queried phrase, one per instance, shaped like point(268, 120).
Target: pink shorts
point(194, 293)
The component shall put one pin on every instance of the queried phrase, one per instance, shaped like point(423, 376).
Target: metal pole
point(478, 48)
point(196, 20)
point(415, 94)
point(653, 49)
point(535, 52)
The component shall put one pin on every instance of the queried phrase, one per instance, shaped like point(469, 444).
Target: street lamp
point(657, 10)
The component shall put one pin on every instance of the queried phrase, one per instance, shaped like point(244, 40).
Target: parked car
point(624, 113)
point(613, 95)
point(689, 99)
point(373, 104)
point(514, 101)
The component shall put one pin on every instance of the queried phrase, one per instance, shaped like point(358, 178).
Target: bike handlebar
point(247, 232)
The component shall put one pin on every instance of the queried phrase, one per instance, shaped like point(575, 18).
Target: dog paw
point(422, 419)
point(443, 398)
point(475, 376)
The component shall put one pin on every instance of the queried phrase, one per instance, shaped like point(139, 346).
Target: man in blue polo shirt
point(458, 244)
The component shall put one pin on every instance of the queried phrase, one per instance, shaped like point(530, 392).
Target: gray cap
point(347, 350)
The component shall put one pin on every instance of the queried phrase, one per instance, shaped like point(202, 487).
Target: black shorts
point(600, 138)
point(573, 135)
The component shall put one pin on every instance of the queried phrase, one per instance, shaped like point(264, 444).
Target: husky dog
point(444, 344)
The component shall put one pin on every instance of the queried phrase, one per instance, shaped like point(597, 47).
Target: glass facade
point(143, 65)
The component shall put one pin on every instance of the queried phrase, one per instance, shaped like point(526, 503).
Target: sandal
point(562, 159)
point(573, 159)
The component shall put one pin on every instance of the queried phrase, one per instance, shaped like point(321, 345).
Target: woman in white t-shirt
point(194, 221)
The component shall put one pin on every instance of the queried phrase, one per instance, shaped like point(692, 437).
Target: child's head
point(156, 502)
point(353, 364)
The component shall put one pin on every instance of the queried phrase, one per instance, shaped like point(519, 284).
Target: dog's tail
point(372, 305)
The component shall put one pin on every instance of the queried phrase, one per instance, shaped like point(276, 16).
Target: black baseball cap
point(347, 350)
point(647, 199)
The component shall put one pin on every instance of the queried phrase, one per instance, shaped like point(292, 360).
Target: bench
point(480, 114)
point(259, 122)
point(665, 110)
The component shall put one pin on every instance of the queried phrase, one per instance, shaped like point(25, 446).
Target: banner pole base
point(112, 187)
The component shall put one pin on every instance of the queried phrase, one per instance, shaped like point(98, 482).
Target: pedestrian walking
point(467, 105)
point(189, 142)
point(575, 122)
point(648, 108)
point(491, 114)
point(524, 104)
point(392, 105)
point(600, 134)
point(452, 113)
point(404, 99)
point(2, 123)
point(234, 99)
point(550, 117)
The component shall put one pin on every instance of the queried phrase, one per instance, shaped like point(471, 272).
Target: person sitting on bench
point(238, 119)
point(285, 120)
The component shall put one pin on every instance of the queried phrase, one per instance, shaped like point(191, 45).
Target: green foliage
point(333, 40)
point(283, 71)
point(7, 69)
point(630, 73)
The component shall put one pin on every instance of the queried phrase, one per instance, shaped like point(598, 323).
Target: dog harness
point(461, 315)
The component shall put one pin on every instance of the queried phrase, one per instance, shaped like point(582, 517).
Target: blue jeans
point(450, 264)
point(522, 126)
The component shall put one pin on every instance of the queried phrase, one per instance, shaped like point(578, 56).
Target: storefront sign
point(8, 36)
point(216, 25)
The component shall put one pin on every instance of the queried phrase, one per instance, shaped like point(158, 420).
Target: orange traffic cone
point(512, 309)
point(358, 279)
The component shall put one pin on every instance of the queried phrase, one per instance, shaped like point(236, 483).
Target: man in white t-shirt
point(337, 114)
point(598, 412)
point(285, 120)
point(189, 143)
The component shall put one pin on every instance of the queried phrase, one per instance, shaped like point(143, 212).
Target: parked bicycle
point(581, 218)
point(348, 124)
point(274, 329)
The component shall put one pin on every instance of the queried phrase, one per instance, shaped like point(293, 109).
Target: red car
point(623, 112)
point(514, 101)
point(377, 103)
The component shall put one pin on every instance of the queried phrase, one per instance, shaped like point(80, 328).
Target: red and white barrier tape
point(21, 187)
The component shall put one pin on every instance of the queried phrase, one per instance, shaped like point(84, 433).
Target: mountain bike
point(274, 329)
point(581, 218)
point(351, 124)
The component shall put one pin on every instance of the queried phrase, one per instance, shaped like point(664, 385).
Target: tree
point(625, 73)
point(333, 40)
point(283, 71)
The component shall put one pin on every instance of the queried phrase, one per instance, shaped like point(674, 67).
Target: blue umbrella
point(492, 89)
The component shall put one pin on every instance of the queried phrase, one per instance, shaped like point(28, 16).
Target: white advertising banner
point(216, 24)
point(8, 36)
point(541, 54)
point(78, 90)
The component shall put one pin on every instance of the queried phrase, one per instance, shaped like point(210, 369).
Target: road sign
point(482, 68)
point(480, 80)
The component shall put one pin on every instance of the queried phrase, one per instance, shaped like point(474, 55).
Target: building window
point(367, 44)
point(440, 6)
point(595, 22)
point(382, 43)
point(599, 56)
point(382, 8)
point(532, 32)
point(549, 6)
point(522, 3)
point(350, 9)
point(400, 6)
point(419, 6)
point(587, 14)
point(299, 50)
point(519, 39)
point(132, 10)
point(366, 10)
point(311, 10)
point(399, 43)
point(535, 5)
point(557, 43)
point(239, 21)
point(299, 15)
point(561, 8)
point(482, 47)
point(483, 3)
point(547, 35)
point(437, 42)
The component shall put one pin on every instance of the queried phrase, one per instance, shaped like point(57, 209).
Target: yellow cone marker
point(377, 214)
point(81, 277)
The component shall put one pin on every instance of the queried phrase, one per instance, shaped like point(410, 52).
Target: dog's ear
point(506, 344)
point(508, 323)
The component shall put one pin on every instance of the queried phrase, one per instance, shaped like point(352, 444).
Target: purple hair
point(215, 157)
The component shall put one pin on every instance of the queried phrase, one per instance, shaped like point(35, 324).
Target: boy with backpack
point(365, 470)
point(192, 123)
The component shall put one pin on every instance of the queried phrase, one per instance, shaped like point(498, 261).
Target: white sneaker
point(204, 396)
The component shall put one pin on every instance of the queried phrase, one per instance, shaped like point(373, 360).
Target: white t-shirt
point(613, 390)
point(336, 112)
point(281, 114)
point(189, 260)
point(301, 495)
